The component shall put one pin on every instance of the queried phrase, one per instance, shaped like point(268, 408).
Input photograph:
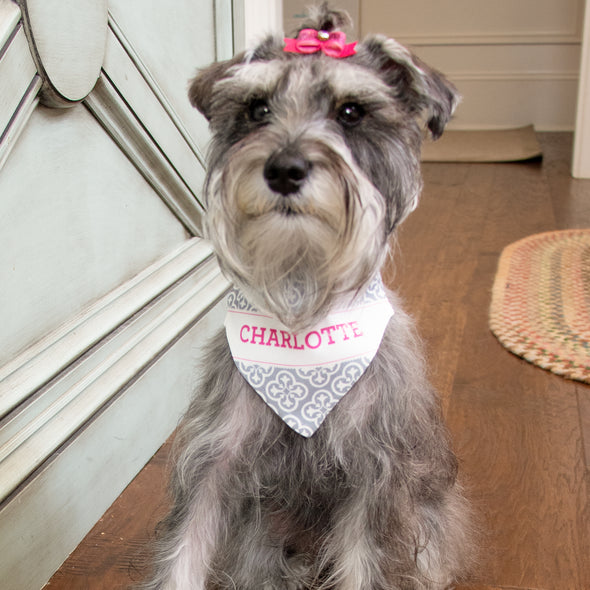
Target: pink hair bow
point(311, 41)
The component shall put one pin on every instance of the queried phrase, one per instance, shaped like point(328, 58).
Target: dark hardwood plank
point(116, 552)
point(434, 263)
point(516, 430)
point(584, 409)
point(570, 196)
point(515, 426)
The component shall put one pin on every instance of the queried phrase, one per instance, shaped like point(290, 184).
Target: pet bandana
point(302, 376)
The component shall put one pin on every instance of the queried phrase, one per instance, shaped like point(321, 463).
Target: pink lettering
point(286, 339)
point(257, 333)
point(343, 327)
point(314, 339)
point(356, 331)
point(296, 345)
point(329, 330)
point(245, 327)
point(273, 338)
point(308, 341)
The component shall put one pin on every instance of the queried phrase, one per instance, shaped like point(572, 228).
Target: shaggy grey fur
point(314, 161)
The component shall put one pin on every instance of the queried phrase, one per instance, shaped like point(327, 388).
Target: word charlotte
point(327, 336)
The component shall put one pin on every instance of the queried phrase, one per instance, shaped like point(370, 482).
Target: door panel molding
point(87, 403)
point(17, 71)
point(112, 111)
point(67, 41)
point(129, 105)
point(41, 362)
point(54, 510)
point(136, 324)
point(9, 18)
point(153, 85)
point(485, 38)
point(20, 83)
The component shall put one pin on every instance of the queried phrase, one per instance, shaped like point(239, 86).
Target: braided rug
point(540, 306)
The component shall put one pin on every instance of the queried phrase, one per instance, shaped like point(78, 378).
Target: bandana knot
point(332, 44)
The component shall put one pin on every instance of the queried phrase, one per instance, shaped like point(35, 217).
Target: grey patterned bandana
point(302, 376)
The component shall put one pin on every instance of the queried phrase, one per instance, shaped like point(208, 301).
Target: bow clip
point(332, 44)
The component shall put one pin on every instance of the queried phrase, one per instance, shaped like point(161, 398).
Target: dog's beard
point(295, 255)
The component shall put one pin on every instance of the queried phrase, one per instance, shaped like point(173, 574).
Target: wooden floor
point(522, 434)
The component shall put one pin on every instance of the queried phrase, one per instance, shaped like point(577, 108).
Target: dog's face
point(314, 161)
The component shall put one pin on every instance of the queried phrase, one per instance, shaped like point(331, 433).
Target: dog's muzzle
point(286, 171)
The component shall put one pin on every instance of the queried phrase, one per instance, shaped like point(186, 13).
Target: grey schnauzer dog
point(314, 162)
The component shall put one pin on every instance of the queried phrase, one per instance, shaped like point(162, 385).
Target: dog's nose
point(286, 171)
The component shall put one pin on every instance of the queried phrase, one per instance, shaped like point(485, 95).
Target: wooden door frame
point(581, 159)
point(255, 18)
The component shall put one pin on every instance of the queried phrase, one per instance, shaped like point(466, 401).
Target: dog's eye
point(258, 110)
point(350, 114)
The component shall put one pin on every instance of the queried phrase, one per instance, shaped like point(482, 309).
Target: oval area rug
point(540, 306)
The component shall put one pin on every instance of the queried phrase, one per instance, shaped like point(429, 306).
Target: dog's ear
point(423, 90)
point(200, 92)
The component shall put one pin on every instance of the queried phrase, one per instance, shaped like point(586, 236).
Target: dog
point(314, 455)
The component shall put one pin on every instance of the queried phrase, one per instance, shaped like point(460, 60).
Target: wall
point(516, 63)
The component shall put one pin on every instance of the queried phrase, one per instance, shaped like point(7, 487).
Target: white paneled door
point(106, 289)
